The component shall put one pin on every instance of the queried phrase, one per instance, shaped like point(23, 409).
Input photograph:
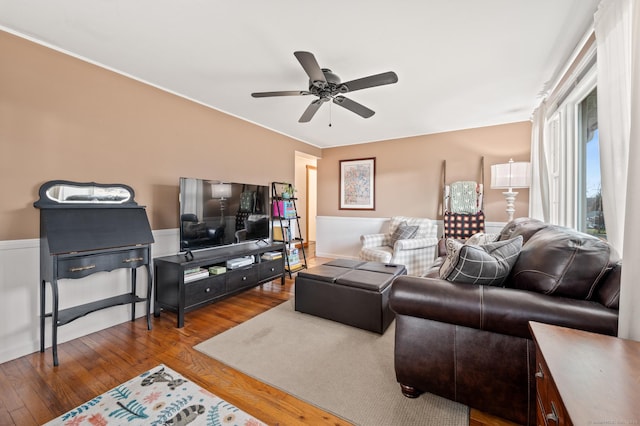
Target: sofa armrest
point(375, 240)
point(415, 243)
point(496, 309)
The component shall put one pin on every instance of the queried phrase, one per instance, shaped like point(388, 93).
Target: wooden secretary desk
point(87, 228)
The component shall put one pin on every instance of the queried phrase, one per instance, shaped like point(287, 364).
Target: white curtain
point(617, 27)
point(629, 325)
point(539, 190)
point(612, 25)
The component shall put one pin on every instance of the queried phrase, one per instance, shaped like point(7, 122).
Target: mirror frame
point(47, 200)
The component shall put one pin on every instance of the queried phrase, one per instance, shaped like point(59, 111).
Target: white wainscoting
point(493, 227)
point(19, 304)
point(339, 237)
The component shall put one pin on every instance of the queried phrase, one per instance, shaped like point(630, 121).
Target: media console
point(172, 293)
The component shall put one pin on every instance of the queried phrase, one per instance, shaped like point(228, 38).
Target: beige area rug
point(341, 369)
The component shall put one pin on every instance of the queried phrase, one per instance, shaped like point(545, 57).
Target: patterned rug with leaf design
point(157, 397)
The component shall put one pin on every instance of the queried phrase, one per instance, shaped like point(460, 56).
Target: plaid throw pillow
point(487, 264)
point(403, 232)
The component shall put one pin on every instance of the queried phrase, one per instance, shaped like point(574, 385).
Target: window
point(591, 218)
point(572, 152)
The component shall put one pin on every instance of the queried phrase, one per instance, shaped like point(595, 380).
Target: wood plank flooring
point(33, 392)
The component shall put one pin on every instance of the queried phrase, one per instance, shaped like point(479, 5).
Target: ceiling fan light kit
point(327, 86)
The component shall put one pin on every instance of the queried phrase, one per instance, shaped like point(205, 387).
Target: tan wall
point(409, 171)
point(62, 118)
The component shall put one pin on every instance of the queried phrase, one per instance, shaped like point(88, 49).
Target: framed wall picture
point(357, 184)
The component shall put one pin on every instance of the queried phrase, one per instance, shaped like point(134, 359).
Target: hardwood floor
point(33, 392)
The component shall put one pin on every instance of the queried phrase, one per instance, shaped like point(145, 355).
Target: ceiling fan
point(327, 86)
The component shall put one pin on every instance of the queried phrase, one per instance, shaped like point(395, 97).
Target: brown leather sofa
point(471, 343)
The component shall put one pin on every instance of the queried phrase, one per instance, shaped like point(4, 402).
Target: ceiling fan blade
point(311, 111)
point(389, 77)
point(311, 67)
point(353, 106)
point(281, 93)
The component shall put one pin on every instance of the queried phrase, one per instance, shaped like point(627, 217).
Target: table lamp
point(509, 176)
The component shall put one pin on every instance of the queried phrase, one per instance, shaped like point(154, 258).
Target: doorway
point(306, 183)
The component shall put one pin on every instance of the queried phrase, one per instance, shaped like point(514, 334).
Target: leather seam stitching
point(481, 308)
point(455, 362)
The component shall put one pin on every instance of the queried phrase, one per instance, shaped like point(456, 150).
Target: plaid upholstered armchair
point(410, 241)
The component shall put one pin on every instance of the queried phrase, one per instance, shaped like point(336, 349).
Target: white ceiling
point(460, 63)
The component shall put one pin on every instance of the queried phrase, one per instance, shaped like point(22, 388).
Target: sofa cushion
point(524, 226)
point(561, 261)
point(403, 232)
point(608, 292)
point(487, 264)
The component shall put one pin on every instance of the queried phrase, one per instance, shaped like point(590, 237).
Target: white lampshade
point(220, 190)
point(511, 175)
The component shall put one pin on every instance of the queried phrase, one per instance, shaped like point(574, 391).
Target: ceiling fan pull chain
point(329, 114)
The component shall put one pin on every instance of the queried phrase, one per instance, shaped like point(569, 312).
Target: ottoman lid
point(323, 273)
point(346, 263)
point(385, 268)
point(367, 280)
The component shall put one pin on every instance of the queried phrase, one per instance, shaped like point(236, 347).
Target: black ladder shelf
point(285, 215)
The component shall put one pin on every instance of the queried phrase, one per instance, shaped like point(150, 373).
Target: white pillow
point(481, 238)
point(452, 246)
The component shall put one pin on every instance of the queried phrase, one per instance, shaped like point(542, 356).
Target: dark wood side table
point(585, 378)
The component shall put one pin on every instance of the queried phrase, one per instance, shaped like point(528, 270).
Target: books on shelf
point(217, 270)
point(195, 274)
point(290, 211)
point(272, 255)
point(293, 255)
point(281, 233)
point(284, 209)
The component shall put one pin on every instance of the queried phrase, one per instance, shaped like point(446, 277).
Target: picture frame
point(357, 184)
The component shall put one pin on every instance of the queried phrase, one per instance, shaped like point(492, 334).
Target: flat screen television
point(215, 213)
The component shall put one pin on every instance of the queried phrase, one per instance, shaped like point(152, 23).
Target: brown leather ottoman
point(351, 292)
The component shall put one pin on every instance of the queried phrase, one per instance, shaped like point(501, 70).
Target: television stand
point(184, 283)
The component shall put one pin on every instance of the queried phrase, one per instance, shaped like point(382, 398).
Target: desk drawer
point(550, 407)
point(84, 265)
